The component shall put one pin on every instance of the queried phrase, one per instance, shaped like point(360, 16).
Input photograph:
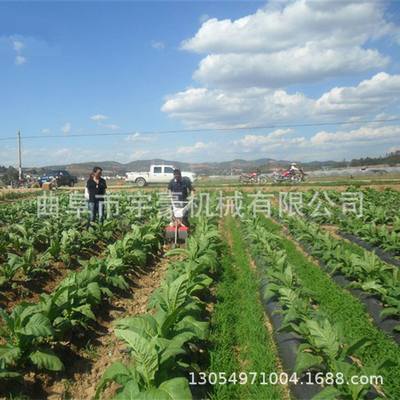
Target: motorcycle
point(248, 178)
point(253, 178)
point(263, 179)
point(288, 176)
point(22, 183)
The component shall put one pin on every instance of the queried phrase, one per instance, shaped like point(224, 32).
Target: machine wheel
point(296, 179)
point(141, 182)
point(71, 184)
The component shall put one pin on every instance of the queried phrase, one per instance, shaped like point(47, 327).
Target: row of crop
point(344, 307)
point(43, 204)
point(72, 204)
point(321, 348)
point(366, 271)
point(30, 247)
point(12, 213)
point(381, 207)
point(65, 243)
point(14, 195)
point(374, 219)
point(378, 207)
point(30, 332)
point(243, 350)
point(381, 236)
point(163, 343)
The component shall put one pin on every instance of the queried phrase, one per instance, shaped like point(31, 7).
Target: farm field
point(365, 180)
point(279, 292)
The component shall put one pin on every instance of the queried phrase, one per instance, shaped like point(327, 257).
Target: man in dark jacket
point(96, 189)
point(180, 189)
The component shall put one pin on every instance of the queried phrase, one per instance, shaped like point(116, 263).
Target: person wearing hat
point(294, 169)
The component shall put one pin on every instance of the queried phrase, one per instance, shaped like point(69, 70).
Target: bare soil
point(23, 290)
point(30, 290)
point(333, 230)
point(84, 373)
point(87, 354)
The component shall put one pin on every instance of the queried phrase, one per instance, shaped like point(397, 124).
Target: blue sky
point(86, 67)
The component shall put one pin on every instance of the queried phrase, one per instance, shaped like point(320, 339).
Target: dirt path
point(333, 230)
point(85, 374)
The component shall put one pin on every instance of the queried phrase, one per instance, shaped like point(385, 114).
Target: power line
point(197, 130)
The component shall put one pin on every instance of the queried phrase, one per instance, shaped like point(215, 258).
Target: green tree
point(11, 174)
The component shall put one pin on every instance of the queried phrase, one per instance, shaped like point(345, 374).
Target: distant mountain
point(215, 168)
point(79, 169)
point(208, 168)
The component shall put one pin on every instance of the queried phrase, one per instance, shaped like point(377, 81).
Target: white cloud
point(66, 128)
point(291, 42)
point(19, 60)
point(254, 106)
point(98, 117)
point(138, 154)
point(249, 61)
point(280, 132)
point(65, 153)
point(138, 137)
point(18, 45)
point(221, 108)
point(45, 130)
point(374, 94)
point(198, 146)
point(278, 139)
point(40, 156)
point(362, 134)
point(134, 137)
point(288, 144)
point(113, 127)
point(295, 65)
point(156, 44)
point(292, 24)
point(256, 140)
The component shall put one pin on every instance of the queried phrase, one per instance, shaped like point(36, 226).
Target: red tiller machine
point(177, 231)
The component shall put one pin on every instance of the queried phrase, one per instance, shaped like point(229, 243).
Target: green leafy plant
point(157, 342)
point(26, 332)
point(70, 245)
point(26, 262)
point(8, 270)
point(323, 347)
point(19, 237)
point(154, 344)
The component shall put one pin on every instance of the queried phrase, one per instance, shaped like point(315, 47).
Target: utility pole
point(19, 155)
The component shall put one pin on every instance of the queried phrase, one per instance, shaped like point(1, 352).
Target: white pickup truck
point(157, 174)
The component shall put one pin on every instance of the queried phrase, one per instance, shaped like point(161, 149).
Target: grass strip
point(240, 340)
point(342, 308)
